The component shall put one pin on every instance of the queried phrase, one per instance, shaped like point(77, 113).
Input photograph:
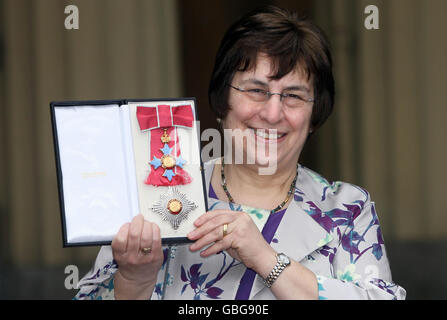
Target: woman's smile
point(264, 135)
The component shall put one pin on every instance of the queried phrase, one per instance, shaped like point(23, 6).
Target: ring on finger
point(146, 251)
point(225, 230)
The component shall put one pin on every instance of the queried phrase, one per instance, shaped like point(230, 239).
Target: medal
point(174, 207)
point(165, 157)
point(167, 160)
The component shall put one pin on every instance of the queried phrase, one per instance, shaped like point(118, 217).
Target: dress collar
point(299, 233)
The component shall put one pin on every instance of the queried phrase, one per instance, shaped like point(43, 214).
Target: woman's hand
point(243, 240)
point(137, 250)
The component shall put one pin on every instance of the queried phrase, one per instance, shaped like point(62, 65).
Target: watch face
point(283, 259)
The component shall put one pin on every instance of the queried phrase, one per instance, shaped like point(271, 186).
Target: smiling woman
point(287, 235)
point(283, 120)
point(292, 44)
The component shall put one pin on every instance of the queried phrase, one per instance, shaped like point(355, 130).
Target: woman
point(288, 235)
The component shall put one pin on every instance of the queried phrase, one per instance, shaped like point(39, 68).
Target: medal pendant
point(174, 207)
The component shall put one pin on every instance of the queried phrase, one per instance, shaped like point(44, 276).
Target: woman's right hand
point(137, 271)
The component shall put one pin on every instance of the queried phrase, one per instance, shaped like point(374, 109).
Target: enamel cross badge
point(165, 156)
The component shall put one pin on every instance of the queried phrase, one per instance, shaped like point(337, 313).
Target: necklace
point(289, 193)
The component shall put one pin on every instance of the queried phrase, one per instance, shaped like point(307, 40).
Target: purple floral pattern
point(330, 228)
point(334, 219)
point(193, 278)
point(158, 290)
point(96, 283)
point(386, 286)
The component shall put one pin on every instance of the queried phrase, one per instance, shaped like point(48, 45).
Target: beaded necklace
point(230, 198)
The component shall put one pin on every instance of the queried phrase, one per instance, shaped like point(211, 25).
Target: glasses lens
point(256, 94)
point(294, 100)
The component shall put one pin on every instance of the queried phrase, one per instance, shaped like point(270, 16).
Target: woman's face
point(292, 124)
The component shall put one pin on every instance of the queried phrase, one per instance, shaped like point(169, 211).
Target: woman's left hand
point(243, 240)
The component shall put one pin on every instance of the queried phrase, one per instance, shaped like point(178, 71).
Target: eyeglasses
point(292, 100)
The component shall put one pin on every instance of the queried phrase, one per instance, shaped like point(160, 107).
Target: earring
point(219, 124)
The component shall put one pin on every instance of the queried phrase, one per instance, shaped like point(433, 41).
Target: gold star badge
point(174, 207)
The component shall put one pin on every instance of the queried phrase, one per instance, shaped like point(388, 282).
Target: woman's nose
point(272, 110)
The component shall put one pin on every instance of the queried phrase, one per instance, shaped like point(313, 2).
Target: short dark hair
point(290, 41)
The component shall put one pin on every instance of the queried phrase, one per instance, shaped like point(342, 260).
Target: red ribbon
point(156, 119)
point(164, 116)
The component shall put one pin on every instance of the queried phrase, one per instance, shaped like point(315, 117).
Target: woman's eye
point(294, 96)
point(256, 90)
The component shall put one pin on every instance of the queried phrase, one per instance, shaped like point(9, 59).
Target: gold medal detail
point(174, 206)
point(167, 161)
point(165, 138)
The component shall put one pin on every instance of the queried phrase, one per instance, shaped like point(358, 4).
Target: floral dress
point(330, 228)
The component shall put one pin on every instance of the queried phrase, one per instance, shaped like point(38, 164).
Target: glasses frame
point(268, 94)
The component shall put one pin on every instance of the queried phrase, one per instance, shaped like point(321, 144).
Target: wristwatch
point(282, 262)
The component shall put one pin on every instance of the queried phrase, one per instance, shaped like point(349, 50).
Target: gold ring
point(146, 250)
point(225, 227)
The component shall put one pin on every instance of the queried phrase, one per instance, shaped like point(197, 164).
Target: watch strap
point(274, 274)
